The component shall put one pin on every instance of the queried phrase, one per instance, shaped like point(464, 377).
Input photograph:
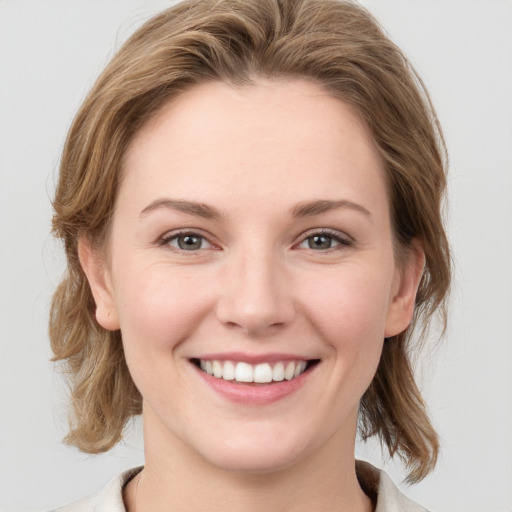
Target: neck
point(175, 477)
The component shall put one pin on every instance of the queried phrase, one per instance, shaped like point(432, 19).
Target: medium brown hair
point(340, 46)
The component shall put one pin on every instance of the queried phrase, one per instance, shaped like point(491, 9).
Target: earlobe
point(406, 284)
point(94, 267)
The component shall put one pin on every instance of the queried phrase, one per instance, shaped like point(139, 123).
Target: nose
point(256, 296)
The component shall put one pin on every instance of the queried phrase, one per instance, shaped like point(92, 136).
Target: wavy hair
point(340, 46)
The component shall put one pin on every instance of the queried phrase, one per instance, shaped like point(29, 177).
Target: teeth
point(229, 371)
point(299, 368)
point(289, 371)
point(278, 372)
point(217, 369)
point(244, 372)
point(260, 373)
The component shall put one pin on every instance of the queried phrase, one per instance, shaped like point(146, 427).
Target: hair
point(339, 45)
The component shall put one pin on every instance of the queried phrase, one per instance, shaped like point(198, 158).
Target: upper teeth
point(245, 372)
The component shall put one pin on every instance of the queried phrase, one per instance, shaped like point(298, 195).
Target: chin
point(256, 453)
point(253, 462)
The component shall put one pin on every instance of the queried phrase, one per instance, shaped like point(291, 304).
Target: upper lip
point(252, 358)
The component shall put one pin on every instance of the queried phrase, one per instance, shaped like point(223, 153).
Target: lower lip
point(255, 394)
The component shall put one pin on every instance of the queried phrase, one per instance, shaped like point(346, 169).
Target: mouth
point(261, 373)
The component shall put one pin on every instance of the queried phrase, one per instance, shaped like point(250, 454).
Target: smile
point(254, 380)
point(262, 373)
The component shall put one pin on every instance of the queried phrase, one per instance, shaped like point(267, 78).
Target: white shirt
point(373, 481)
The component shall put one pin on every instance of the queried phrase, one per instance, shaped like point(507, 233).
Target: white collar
point(374, 482)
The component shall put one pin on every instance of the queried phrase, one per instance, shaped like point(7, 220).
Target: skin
point(255, 285)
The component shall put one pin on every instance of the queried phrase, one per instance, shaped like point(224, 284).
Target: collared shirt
point(375, 483)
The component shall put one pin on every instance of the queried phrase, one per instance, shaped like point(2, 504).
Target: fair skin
point(252, 226)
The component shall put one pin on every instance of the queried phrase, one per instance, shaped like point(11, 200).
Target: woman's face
point(251, 239)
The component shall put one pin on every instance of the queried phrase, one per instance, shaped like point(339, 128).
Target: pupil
point(189, 242)
point(320, 242)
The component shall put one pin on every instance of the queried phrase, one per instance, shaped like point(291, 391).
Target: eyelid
point(342, 238)
point(165, 239)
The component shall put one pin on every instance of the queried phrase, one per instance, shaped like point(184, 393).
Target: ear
point(405, 286)
point(95, 268)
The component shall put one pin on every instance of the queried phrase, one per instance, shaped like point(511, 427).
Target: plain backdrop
point(50, 53)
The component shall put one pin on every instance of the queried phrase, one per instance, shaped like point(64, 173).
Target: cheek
point(158, 309)
point(349, 310)
point(349, 306)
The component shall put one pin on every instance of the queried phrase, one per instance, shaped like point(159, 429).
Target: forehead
point(265, 138)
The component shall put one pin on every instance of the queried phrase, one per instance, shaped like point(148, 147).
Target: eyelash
point(343, 241)
point(167, 239)
point(335, 236)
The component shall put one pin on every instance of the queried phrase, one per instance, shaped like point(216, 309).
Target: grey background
point(50, 53)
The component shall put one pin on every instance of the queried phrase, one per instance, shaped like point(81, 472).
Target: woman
point(250, 203)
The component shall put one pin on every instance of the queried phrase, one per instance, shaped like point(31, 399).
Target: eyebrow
point(304, 209)
point(310, 208)
point(190, 207)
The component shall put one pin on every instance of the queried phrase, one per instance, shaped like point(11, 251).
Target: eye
point(187, 242)
point(324, 241)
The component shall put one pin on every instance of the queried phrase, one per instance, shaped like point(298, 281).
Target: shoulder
point(377, 484)
point(109, 499)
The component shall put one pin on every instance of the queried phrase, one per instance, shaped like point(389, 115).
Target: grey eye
point(320, 242)
point(323, 241)
point(187, 242)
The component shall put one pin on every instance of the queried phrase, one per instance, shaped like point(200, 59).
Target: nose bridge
point(256, 294)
